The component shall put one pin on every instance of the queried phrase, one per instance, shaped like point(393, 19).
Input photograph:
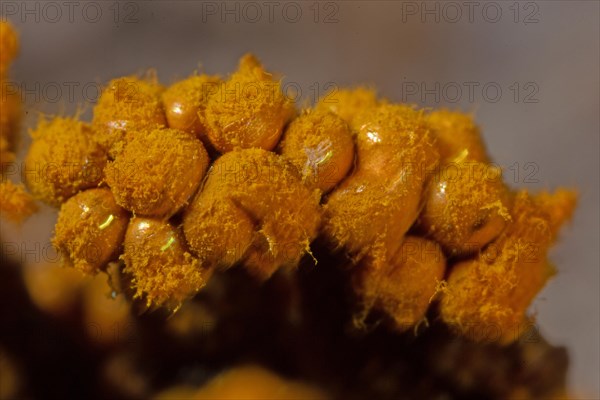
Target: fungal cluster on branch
point(182, 182)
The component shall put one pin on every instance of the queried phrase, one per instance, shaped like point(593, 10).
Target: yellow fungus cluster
point(150, 202)
point(15, 202)
point(209, 173)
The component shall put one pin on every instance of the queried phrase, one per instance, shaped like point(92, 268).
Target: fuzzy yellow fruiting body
point(62, 160)
point(127, 107)
point(248, 110)
point(90, 229)
point(185, 101)
point(405, 287)
point(217, 230)
point(268, 191)
point(493, 290)
point(157, 172)
point(163, 272)
point(466, 204)
point(372, 209)
point(320, 145)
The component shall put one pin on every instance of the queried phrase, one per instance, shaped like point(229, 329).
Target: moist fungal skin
point(63, 159)
point(157, 172)
point(89, 230)
point(407, 197)
point(466, 206)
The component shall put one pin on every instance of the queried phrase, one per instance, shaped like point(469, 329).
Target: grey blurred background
point(528, 70)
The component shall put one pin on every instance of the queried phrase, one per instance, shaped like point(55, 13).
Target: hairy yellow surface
point(157, 172)
point(320, 145)
point(372, 209)
point(63, 159)
point(282, 214)
point(493, 290)
point(248, 110)
point(90, 229)
point(126, 107)
point(164, 272)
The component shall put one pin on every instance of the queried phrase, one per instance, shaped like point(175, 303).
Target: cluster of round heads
point(177, 183)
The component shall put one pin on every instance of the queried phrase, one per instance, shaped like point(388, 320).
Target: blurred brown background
point(529, 71)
